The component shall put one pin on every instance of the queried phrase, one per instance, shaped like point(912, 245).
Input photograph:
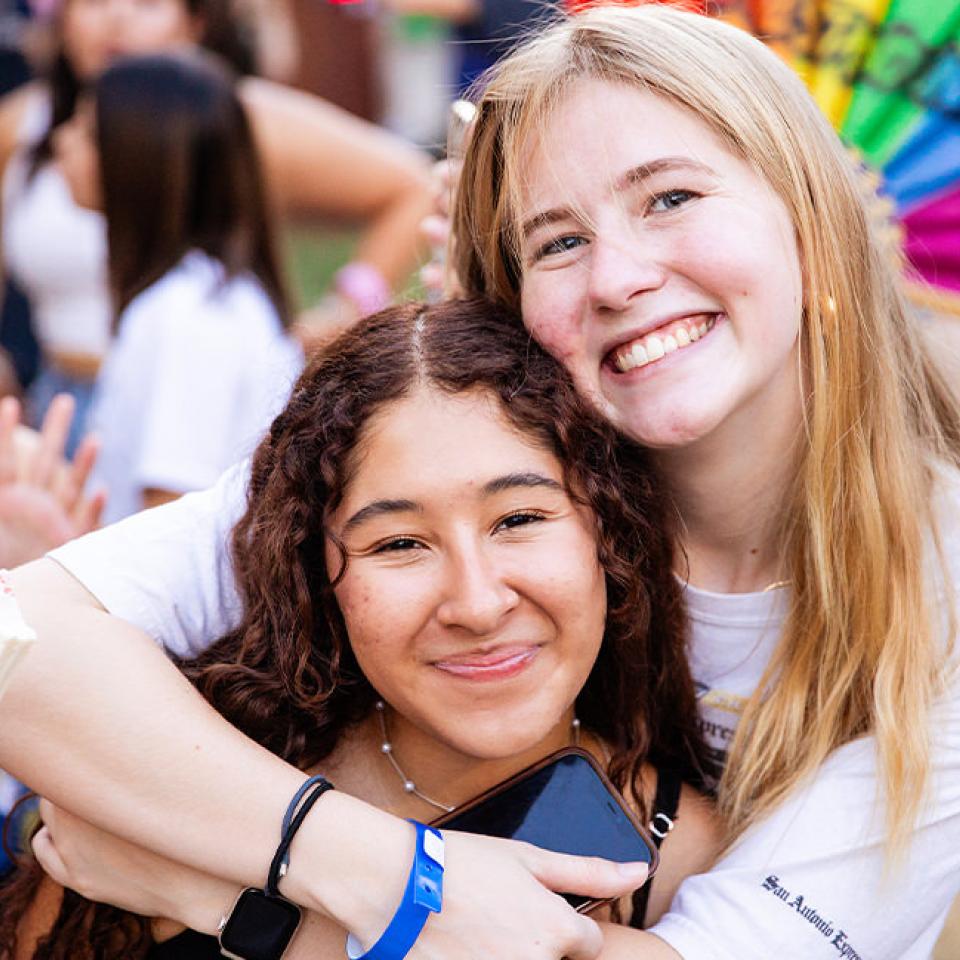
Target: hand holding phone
point(564, 803)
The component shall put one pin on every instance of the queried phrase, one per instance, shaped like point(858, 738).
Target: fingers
point(588, 876)
point(584, 940)
point(75, 476)
point(9, 420)
point(88, 513)
point(435, 229)
point(446, 176)
point(53, 441)
point(45, 850)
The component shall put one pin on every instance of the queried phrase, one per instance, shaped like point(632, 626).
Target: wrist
point(200, 903)
point(351, 864)
point(364, 286)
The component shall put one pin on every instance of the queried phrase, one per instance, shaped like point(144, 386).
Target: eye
point(670, 200)
point(398, 545)
point(521, 518)
point(562, 244)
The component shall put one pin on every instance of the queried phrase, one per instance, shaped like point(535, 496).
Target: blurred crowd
point(153, 156)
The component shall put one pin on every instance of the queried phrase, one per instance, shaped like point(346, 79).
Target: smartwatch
point(260, 926)
point(262, 922)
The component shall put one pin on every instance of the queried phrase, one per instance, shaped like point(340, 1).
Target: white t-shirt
point(199, 368)
point(54, 249)
point(808, 883)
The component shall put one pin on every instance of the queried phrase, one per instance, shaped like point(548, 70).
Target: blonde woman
point(676, 222)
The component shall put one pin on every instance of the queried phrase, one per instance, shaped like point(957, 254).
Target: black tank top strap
point(666, 802)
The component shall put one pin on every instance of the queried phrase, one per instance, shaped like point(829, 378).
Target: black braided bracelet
point(316, 788)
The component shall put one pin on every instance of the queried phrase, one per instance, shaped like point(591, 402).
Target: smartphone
point(564, 803)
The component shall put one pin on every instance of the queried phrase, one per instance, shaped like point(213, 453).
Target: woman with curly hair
point(442, 548)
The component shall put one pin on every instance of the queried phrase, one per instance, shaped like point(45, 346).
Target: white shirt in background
point(199, 368)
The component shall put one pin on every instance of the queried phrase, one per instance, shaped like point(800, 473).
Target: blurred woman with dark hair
point(318, 160)
point(476, 603)
point(202, 359)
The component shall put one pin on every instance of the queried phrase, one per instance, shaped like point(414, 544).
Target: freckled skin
point(622, 257)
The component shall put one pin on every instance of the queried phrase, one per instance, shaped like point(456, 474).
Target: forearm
point(321, 161)
point(391, 241)
point(99, 721)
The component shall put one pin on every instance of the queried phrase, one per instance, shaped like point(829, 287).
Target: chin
point(504, 740)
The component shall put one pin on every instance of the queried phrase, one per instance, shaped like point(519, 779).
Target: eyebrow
point(632, 177)
point(380, 508)
point(509, 481)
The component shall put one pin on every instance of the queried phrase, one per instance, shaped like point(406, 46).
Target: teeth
point(655, 348)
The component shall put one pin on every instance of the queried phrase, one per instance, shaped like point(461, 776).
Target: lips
point(498, 664)
point(655, 343)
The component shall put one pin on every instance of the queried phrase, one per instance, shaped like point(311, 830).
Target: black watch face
point(260, 926)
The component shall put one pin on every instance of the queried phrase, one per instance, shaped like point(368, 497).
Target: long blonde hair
point(859, 651)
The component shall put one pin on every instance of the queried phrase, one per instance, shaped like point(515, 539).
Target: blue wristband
point(423, 896)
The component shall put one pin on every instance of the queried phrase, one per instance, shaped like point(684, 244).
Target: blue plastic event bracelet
point(423, 896)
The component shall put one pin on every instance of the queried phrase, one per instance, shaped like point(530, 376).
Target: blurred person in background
point(272, 32)
point(318, 160)
point(19, 354)
point(202, 358)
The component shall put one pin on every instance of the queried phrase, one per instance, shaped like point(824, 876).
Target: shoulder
point(195, 297)
point(690, 847)
point(15, 109)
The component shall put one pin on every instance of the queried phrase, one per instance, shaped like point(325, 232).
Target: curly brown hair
point(287, 676)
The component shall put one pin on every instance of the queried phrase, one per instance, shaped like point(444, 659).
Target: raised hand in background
point(42, 500)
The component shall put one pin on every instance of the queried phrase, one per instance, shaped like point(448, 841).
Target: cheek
point(83, 40)
point(382, 619)
point(548, 315)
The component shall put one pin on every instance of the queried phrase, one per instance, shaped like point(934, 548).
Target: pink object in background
point(44, 8)
point(933, 240)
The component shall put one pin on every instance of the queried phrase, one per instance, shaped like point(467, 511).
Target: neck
point(443, 773)
point(732, 489)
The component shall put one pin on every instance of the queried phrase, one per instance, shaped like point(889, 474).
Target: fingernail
point(635, 872)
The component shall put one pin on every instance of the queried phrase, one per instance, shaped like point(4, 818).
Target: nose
point(622, 266)
point(477, 595)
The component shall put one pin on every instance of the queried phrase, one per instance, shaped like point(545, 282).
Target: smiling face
point(95, 32)
point(473, 597)
point(659, 267)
